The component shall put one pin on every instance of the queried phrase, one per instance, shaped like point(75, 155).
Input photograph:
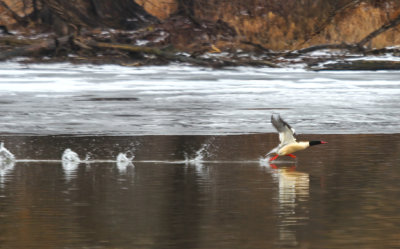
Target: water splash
point(123, 157)
point(5, 155)
point(88, 157)
point(7, 162)
point(70, 156)
point(264, 161)
point(200, 154)
point(70, 163)
point(124, 161)
point(198, 157)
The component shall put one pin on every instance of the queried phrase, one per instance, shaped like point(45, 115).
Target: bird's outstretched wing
point(286, 132)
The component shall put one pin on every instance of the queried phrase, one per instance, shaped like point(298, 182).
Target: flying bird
point(288, 143)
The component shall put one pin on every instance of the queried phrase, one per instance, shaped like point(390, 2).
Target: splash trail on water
point(70, 156)
point(5, 154)
point(200, 154)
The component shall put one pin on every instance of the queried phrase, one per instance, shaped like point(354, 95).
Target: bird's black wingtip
point(275, 116)
point(278, 122)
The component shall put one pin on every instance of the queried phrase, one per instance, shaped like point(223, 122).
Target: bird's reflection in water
point(292, 202)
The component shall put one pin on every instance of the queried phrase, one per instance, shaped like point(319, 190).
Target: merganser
point(288, 143)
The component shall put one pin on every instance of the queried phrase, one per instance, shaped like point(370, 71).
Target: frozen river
point(45, 99)
point(197, 179)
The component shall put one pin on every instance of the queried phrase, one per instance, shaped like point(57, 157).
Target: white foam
point(70, 156)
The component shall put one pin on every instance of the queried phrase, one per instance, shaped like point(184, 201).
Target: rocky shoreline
point(212, 44)
point(123, 32)
point(99, 48)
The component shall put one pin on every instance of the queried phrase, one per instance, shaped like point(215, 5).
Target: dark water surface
point(345, 194)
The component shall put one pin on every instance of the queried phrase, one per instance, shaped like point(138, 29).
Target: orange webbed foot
point(273, 158)
point(291, 155)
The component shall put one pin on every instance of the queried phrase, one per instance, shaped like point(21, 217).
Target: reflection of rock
point(292, 198)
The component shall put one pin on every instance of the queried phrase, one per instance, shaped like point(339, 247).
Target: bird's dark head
point(317, 142)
